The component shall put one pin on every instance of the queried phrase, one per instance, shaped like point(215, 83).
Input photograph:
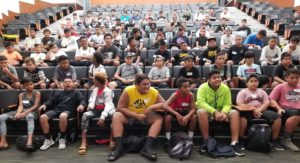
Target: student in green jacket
point(214, 102)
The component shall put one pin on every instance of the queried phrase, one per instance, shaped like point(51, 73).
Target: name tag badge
point(185, 104)
point(297, 90)
point(253, 96)
point(234, 52)
point(25, 101)
point(68, 74)
point(190, 74)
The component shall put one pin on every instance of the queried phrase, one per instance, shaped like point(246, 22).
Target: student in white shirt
point(85, 53)
point(271, 53)
point(225, 14)
point(294, 49)
point(97, 39)
point(68, 42)
point(38, 56)
point(31, 41)
point(227, 40)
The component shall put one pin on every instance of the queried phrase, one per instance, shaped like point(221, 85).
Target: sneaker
point(47, 143)
point(289, 144)
point(62, 144)
point(242, 142)
point(203, 148)
point(276, 145)
point(237, 150)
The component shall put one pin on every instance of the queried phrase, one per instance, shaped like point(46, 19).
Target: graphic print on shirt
point(254, 97)
point(212, 53)
point(249, 71)
point(293, 95)
point(140, 103)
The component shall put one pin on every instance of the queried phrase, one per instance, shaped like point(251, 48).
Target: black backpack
point(133, 144)
point(37, 142)
point(180, 146)
point(259, 136)
point(218, 150)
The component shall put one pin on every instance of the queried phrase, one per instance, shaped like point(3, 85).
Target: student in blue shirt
point(255, 41)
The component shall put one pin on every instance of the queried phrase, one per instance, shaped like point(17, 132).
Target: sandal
point(82, 150)
point(111, 145)
point(4, 148)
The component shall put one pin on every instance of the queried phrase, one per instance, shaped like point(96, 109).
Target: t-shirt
point(236, 54)
point(227, 41)
point(245, 29)
point(192, 73)
point(128, 71)
point(288, 97)
point(85, 52)
point(267, 52)
point(36, 76)
point(156, 73)
point(166, 54)
point(111, 52)
point(220, 28)
point(69, 44)
point(179, 57)
point(201, 41)
point(61, 74)
point(93, 69)
point(253, 98)
point(54, 56)
point(251, 39)
point(244, 70)
point(179, 39)
point(139, 102)
point(13, 57)
point(210, 53)
point(29, 42)
point(136, 53)
point(38, 58)
point(96, 39)
point(181, 103)
point(295, 53)
point(5, 78)
point(48, 40)
point(280, 71)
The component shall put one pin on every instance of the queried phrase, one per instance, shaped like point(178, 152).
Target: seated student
point(294, 49)
point(13, 57)
point(285, 99)
point(243, 27)
point(162, 51)
point(29, 101)
point(160, 74)
point(227, 40)
point(137, 35)
point(182, 53)
point(47, 39)
point(8, 75)
point(62, 71)
point(208, 55)
point(225, 70)
point(255, 41)
point(136, 106)
point(175, 43)
point(270, 54)
point(96, 40)
point(236, 52)
point(181, 106)
point(31, 40)
point(245, 70)
point(38, 56)
point(214, 102)
point(63, 105)
point(225, 14)
point(100, 105)
point(160, 36)
point(110, 51)
point(190, 72)
point(84, 54)
point(135, 52)
point(34, 73)
point(117, 38)
point(253, 103)
point(68, 42)
point(125, 73)
point(280, 70)
point(222, 26)
point(96, 67)
point(201, 40)
point(54, 52)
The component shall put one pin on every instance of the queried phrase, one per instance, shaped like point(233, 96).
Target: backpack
point(259, 136)
point(180, 146)
point(217, 150)
point(133, 144)
point(37, 142)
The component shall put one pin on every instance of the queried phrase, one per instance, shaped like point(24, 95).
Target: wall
point(105, 2)
point(280, 3)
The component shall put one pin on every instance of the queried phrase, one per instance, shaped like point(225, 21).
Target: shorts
point(121, 84)
point(289, 112)
point(134, 122)
point(55, 113)
point(211, 116)
point(267, 115)
point(181, 112)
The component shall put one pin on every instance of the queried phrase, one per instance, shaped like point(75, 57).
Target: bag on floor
point(217, 150)
point(133, 144)
point(180, 146)
point(37, 142)
point(259, 136)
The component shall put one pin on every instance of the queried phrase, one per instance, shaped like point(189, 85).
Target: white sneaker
point(62, 144)
point(47, 143)
point(289, 144)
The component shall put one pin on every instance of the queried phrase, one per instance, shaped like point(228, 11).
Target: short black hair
point(130, 39)
point(62, 58)
point(135, 30)
point(262, 32)
point(273, 38)
point(3, 58)
point(244, 20)
point(47, 30)
point(212, 72)
point(51, 45)
point(180, 81)
point(82, 37)
point(219, 54)
point(98, 26)
point(66, 30)
point(292, 71)
point(162, 42)
point(107, 34)
point(249, 54)
point(8, 44)
point(98, 57)
point(251, 76)
point(284, 55)
point(295, 39)
point(26, 80)
point(36, 45)
point(139, 78)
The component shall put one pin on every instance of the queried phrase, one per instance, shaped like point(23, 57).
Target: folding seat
point(8, 98)
point(20, 72)
point(166, 93)
point(81, 72)
point(110, 71)
point(49, 72)
point(205, 71)
point(234, 93)
point(150, 57)
point(71, 55)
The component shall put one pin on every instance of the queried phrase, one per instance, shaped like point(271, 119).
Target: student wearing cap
point(227, 39)
point(180, 38)
point(208, 55)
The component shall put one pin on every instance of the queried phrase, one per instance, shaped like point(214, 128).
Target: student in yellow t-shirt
point(135, 106)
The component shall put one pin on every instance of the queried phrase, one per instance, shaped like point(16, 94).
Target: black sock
point(149, 142)
point(47, 136)
point(119, 143)
point(63, 135)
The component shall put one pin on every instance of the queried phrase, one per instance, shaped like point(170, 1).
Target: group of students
point(143, 105)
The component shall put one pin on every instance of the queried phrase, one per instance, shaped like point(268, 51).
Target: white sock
point(191, 134)
point(234, 142)
point(168, 135)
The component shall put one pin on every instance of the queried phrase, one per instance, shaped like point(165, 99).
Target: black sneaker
point(242, 143)
point(203, 148)
point(276, 145)
point(114, 155)
point(237, 149)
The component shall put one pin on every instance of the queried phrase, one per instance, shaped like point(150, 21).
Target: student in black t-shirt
point(111, 52)
point(236, 52)
point(47, 39)
point(190, 72)
point(244, 27)
point(164, 53)
point(201, 41)
point(179, 58)
point(280, 70)
point(208, 55)
point(222, 26)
